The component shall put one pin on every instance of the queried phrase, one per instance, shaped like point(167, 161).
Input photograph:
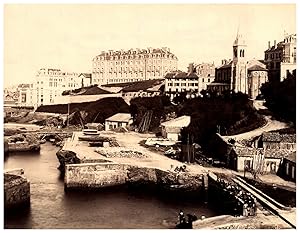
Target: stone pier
point(98, 175)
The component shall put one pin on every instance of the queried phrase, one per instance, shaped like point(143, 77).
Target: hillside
point(228, 115)
point(96, 111)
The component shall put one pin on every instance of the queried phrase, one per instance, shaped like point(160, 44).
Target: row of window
point(272, 56)
point(104, 57)
point(181, 90)
point(182, 84)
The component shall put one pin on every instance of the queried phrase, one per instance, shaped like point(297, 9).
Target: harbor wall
point(98, 175)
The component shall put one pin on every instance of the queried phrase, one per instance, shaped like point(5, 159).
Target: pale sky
point(69, 36)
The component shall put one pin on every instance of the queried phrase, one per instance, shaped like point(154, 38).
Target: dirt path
point(271, 125)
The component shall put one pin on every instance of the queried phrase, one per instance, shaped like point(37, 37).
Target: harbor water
point(53, 208)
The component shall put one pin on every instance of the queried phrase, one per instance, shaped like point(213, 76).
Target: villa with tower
point(240, 74)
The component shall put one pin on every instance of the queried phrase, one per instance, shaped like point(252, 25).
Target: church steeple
point(239, 47)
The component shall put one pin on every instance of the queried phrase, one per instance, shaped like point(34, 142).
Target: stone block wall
point(98, 175)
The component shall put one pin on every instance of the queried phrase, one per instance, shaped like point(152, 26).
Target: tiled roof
point(277, 137)
point(269, 153)
point(120, 117)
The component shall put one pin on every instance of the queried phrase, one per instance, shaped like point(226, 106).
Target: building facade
point(238, 74)
point(281, 57)
point(132, 65)
point(118, 120)
point(206, 74)
point(27, 95)
point(50, 83)
point(180, 82)
point(86, 79)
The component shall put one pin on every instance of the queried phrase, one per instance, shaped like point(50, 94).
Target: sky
point(69, 36)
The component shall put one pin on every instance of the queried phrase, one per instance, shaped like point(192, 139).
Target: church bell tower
point(239, 73)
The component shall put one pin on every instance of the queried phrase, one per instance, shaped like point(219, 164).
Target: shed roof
point(182, 121)
point(120, 117)
point(142, 85)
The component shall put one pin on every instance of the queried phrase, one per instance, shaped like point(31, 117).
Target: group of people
point(245, 202)
point(186, 223)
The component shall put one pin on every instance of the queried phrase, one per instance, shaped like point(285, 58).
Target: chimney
point(269, 44)
point(191, 68)
point(275, 43)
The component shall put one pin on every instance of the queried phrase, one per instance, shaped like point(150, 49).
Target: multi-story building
point(132, 65)
point(238, 74)
point(50, 83)
point(281, 58)
point(27, 95)
point(206, 74)
point(178, 82)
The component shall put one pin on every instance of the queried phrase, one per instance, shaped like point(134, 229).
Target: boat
point(95, 144)
point(90, 132)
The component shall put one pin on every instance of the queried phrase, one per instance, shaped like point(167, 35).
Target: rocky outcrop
point(16, 191)
point(179, 180)
point(141, 175)
point(11, 131)
point(66, 157)
point(23, 142)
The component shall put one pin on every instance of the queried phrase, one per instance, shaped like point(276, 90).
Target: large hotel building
point(132, 65)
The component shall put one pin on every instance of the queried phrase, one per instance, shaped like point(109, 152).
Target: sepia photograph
point(149, 116)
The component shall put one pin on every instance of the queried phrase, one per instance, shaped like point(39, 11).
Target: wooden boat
point(90, 132)
point(95, 144)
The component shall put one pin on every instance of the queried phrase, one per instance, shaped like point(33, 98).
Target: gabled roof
point(86, 75)
point(120, 117)
point(257, 68)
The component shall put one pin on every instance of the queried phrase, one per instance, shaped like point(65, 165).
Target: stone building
point(275, 140)
point(50, 83)
point(281, 57)
point(132, 65)
point(178, 82)
point(27, 95)
point(287, 169)
point(206, 74)
point(239, 74)
point(118, 120)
